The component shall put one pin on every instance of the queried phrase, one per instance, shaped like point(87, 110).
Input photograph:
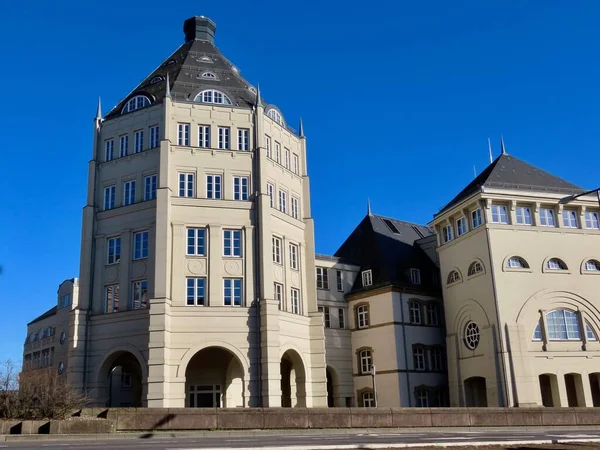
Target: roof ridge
point(400, 220)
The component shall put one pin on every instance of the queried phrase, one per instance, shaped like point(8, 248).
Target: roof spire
point(99, 110)
point(167, 87)
point(369, 213)
point(490, 150)
point(257, 94)
point(502, 145)
point(301, 129)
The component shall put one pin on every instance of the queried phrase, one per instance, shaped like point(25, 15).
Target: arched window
point(39, 334)
point(589, 332)
point(212, 96)
point(475, 268)
point(31, 337)
point(453, 277)
point(516, 262)
point(275, 115)
point(563, 325)
point(592, 265)
point(156, 79)
point(537, 333)
point(137, 102)
point(209, 75)
point(555, 264)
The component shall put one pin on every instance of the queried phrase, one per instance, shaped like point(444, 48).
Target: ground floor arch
point(549, 390)
point(574, 387)
point(293, 380)
point(475, 392)
point(121, 380)
point(215, 378)
point(594, 379)
point(332, 387)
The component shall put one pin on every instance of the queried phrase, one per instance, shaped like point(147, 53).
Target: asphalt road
point(291, 439)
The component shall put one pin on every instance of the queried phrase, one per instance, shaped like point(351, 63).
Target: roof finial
point(99, 110)
point(167, 87)
point(502, 145)
point(301, 129)
point(257, 94)
point(369, 213)
point(490, 149)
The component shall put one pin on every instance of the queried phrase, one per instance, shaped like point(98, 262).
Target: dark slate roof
point(387, 246)
point(51, 312)
point(509, 172)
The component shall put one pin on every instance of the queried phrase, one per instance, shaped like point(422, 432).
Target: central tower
point(197, 266)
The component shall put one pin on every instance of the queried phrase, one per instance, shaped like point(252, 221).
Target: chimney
point(199, 28)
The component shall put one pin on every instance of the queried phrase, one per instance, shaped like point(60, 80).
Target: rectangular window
point(295, 296)
point(243, 139)
point(326, 316)
point(268, 146)
point(150, 187)
point(213, 186)
point(139, 294)
point(437, 359)
point(447, 233)
point(419, 358)
point(295, 202)
point(367, 278)
point(415, 312)
point(112, 299)
point(341, 318)
point(362, 316)
point(476, 218)
point(569, 218)
point(109, 150)
point(432, 314)
point(270, 190)
point(154, 137)
point(591, 220)
point(339, 280)
point(366, 361)
point(204, 136)
point(196, 242)
point(286, 159)
point(415, 276)
point(322, 278)
point(547, 217)
point(295, 164)
point(283, 201)
point(123, 145)
point(224, 138)
point(140, 245)
point(294, 256)
point(499, 214)
point(422, 395)
point(186, 184)
point(461, 226)
point(183, 134)
point(277, 152)
point(128, 192)
point(278, 292)
point(368, 400)
point(276, 250)
point(109, 197)
point(138, 141)
point(196, 290)
point(232, 243)
point(523, 215)
point(65, 301)
point(113, 246)
point(240, 188)
point(232, 292)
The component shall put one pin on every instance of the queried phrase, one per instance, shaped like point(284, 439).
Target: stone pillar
point(271, 361)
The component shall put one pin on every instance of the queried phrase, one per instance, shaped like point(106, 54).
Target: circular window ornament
point(61, 368)
point(472, 335)
point(63, 338)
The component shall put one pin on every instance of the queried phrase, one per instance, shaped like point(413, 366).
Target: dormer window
point(555, 264)
point(205, 59)
point(275, 116)
point(592, 265)
point(367, 278)
point(415, 276)
point(209, 75)
point(157, 79)
point(137, 102)
point(212, 96)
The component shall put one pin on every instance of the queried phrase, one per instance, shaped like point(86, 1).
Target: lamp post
point(373, 373)
point(570, 198)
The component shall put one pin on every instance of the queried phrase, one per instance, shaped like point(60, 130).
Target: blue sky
point(397, 100)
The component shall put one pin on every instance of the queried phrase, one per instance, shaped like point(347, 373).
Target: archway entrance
point(549, 390)
point(475, 392)
point(122, 374)
point(332, 387)
point(214, 378)
point(293, 389)
point(595, 388)
point(575, 395)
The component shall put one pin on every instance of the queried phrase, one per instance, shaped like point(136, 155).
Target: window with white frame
point(278, 293)
point(515, 262)
point(366, 361)
point(113, 250)
point(232, 292)
point(123, 145)
point(367, 278)
point(232, 243)
point(461, 226)
point(276, 250)
point(224, 138)
point(270, 190)
point(213, 186)
point(589, 332)
point(128, 192)
point(415, 276)
point(362, 316)
point(140, 245)
point(109, 197)
point(150, 187)
point(326, 316)
point(563, 325)
point(204, 136)
point(523, 215)
point(341, 318)
point(295, 208)
point(137, 102)
point(138, 141)
point(212, 96)
point(209, 75)
point(591, 220)
point(196, 291)
point(419, 358)
point(339, 280)
point(437, 359)
point(475, 268)
point(277, 152)
point(592, 265)
point(240, 188)
point(368, 399)
point(243, 139)
point(109, 150)
point(422, 396)
point(322, 278)
point(453, 277)
point(282, 201)
point(476, 218)
point(433, 317)
point(186, 184)
point(196, 242)
point(447, 233)
point(268, 146)
point(547, 217)
point(154, 138)
point(295, 164)
point(183, 134)
point(295, 298)
point(286, 159)
point(499, 214)
point(139, 294)
point(415, 312)
point(274, 114)
point(569, 218)
point(294, 257)
point(111, 298)
point(555, 264)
